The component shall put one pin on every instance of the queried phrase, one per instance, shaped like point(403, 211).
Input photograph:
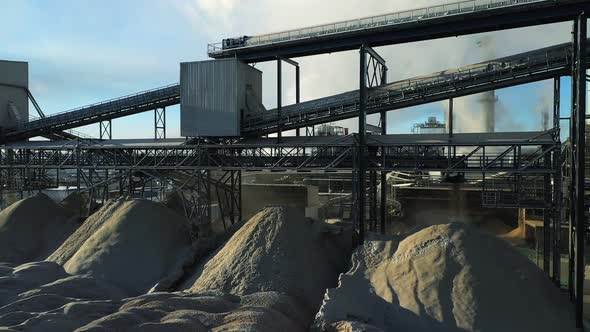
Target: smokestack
point(488, 99)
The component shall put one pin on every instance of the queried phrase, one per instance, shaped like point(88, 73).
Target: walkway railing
point(371, 22)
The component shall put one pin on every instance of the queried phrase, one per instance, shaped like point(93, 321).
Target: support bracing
point(105, 130)
point(160, 123)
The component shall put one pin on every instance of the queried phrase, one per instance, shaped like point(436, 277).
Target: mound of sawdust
point(278, 250)
point(32, 228)
point(445, 278)
point(134, 247)
point(78, 203)
point(89, 227)
point(207, 311)
point(174, 201)
point(41, 296)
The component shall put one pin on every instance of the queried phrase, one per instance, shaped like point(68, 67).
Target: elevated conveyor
point(110, 109)
point(514, 70)
point(518, 69)
point(447, 20)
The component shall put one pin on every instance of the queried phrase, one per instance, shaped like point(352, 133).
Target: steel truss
point(202, 172)
point(160, 123)
point(105, 129)
point(383, 153)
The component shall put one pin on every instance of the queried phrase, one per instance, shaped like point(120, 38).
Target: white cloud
point(208, 17)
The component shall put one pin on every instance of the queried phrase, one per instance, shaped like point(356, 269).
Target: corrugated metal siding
point(209, 98)
point(253, 79)
point(213, 95)
point(14, 73)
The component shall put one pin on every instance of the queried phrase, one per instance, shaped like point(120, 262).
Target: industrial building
point(228, 134)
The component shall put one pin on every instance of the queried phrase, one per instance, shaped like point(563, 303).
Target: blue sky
point(81, 52)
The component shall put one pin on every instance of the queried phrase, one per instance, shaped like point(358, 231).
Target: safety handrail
point(116, 103)
point(406, 16)
point(547, 60)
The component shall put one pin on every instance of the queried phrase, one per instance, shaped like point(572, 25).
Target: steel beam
point(547, 217)
point(279, 97)
point(383, 174)
point(573, 168)
point(557, 188)
point(361, 154)
point(580, 146)
point(297, 91)
point(373, 201)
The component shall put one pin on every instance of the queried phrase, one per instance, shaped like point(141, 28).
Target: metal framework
point(110, 109)
point(105, 130)
point(523, 68)
point(578, 135)
point(373, 73)
point(280, 90)
point(515, 169)
point(160, 123)
point(447, 20)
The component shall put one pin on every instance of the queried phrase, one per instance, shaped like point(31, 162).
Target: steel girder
point(522, 156)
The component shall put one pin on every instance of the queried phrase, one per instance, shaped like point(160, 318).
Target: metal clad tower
point(215, 95)
point(14, 84)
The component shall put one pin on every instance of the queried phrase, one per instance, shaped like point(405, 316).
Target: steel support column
point(373, 201)
point(573, 168)
point(557, 188)
point(239, 180)
point(105, 130)
point(383, 206)
point(297, 92)
point(233, 197)
point(361, 154)
point(579, 145)
point(160, 123)
point(547, 217)
point(279, 97)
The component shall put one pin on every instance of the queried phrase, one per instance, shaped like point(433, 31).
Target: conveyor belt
point(440, 21)
point(500, 73)
point(509, 71)
point(115, 108)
